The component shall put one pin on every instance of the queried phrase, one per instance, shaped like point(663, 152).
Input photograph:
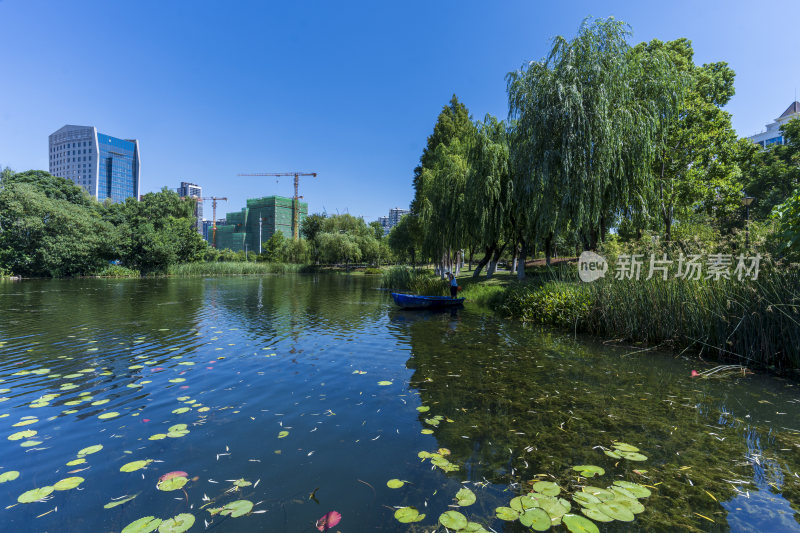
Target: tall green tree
point(405, 239)
point(695, 164)
point(589, 117)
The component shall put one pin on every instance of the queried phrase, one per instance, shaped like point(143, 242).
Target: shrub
point(118, 271)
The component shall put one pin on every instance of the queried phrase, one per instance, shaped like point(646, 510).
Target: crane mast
point(295, 198)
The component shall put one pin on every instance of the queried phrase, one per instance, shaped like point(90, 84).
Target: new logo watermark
point(592, 266)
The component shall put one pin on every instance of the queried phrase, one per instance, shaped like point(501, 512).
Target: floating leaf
point(536, 519)
point(135, 465)
point(68, 483)
point(35, 495)
point(633, 456)
point(157, 436)
point(111, 505)
point(427, 431)
point(584, 498)
point(174, 483)
point(175, 473)
point(384, 383)
point(548, 488)
point(622, 447)
point(11, 475)
point(474, 527)
point(25, 422)
point(407, 515)
point(395, 483)
point(76, 462)
point(453, 520)
point(423, 408)
point(180, 410)
point(578, 524)
point(110, 414)
point(242, 483)
point(589, 470)
point(90, 450)
point(100, 402)
point(506, 513)
point(465, 497)
point(233, 509)
point(615, 510)
point(595, 514)
point(24, 434)
point(634, 488)
point(283, 434)
point(633, 506)
point(177, 524)
point(602, 494)
point(613, 455)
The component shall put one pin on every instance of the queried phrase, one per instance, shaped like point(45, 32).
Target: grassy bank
point(233, 268)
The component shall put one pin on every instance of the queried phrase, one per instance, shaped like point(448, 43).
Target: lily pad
point(602, 494)
point(595, 514)
point(634, 488)
point(427, 431)
point(283, 434)
point(616, 510)
point(180, 410)
point(423, 408)
point(177, 524)
point(157, 436)
point(234, 509)
point(35, 495)
point(110, 414)
point(90, 450)
point(553, 507)
point(25, 422)
point(613, 455)
point(537, 519)
point(633, 456)
point(548, 488)
point(506, 513)
point(465, 497)
point(135, 465)
point(29, 443)
point(177, 380)
point(242, 483)
point(384, 383)
point(623, 447)
point(112, 504)
point(578, 524)
point(11, 475)
point(68, 483)
point(633, 506)
point(589, 470)
point(395, 483)
point(174, 483)
point(76, 462)
point(407, 515)
point(24, 434)
point(453, 520)
point(146, 524)
point(584, 498)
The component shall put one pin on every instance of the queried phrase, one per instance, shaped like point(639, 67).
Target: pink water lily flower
point(170, 475)
point(329, 520)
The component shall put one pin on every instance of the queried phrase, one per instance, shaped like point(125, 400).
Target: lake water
point(307, 387)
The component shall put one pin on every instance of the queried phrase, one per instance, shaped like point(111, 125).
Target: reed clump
point(231, 268)
point(422, 282)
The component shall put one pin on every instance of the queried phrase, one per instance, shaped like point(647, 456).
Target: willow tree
point(489, 194)
point(589, 119)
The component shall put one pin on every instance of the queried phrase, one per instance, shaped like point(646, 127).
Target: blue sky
point(349, 90)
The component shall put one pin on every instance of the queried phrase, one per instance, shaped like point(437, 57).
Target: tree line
point(603, 140)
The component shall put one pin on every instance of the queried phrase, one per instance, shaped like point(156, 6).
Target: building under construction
point(241, 231)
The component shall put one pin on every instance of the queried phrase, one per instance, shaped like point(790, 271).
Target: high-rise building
point(107, 167)
point(192, 190)
point(243, 230)
point(395, 215)
point(773, 135)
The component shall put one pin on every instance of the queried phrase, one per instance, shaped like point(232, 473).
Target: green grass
point(423, 282)
point(242, 268)
point(118, 271)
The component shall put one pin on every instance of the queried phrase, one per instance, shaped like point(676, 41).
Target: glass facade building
point(105, 166)
point(773, 135)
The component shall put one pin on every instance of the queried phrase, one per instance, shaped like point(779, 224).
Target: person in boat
point(453, 285)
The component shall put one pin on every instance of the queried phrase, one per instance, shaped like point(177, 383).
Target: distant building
point(384, 222)
point(241, 230)
point(107, 167)
point(772, 135)
point(191, 190)
point(395, 215)
point(208, 225)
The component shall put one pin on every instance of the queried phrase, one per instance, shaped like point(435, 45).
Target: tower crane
point(295, 199)
point(214, 216)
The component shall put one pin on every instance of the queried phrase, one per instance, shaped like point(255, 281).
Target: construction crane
point(214, 216)
point(295, 199)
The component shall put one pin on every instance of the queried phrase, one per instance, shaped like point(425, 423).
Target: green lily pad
point(427, 431)
point(633, 456)
point(173, 483)
point(407, 515)
point(68, 483)
point(619, 492)
point(145, 524)
point(553, 507)
point(633, 506)
point(283, 434)
point(90, 450)
point(453, 520)
point(537, 519)
point(111, 505)
point(465, 497)
point(506, 513)
point(595, 514)
point(516, 504)
point(235, 509)
point(474, 527)
point(177, 380)
point(11, 475)
point(76, 462)
point(157, 436)
point(589, 470)
point(602, 494)
point(24, 434)
point(100, 402)
point(616, 510)
point(584, 498)
point(242, 483)
point(110, 414)
point(528, 502)
point(177, 524)
point(25, 422)
point(29, 443)
point(395, 483)
point(135, 465)
point(384, 383)
point(613, 455)
point(634, 488)
point(35, 495)
point(578, 524)
point(423, 408)
point(623, 447)
point(180, 410)
point(548, 488)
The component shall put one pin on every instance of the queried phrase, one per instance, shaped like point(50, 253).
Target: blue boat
point(413, 301)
